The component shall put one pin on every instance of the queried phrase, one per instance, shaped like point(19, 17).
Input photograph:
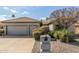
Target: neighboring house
point(74, 27)
point(20, 26)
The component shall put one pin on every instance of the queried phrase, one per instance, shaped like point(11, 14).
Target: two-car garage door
point(18, 30)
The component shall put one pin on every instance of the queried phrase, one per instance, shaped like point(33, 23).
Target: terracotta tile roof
point(22, 19)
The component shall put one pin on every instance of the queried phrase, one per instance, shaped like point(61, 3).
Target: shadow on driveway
point(16, 37)
point(74, 43)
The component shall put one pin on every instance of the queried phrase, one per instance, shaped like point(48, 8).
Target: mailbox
point(45, 45)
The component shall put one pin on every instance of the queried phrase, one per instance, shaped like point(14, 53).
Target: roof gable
point(22, 19)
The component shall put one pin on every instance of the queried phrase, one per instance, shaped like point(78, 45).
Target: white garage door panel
point(17, 30)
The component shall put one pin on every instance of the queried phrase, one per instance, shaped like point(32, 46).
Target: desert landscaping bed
point(59, 47)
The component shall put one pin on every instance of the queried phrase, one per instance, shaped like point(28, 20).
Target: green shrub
point(51, 34)
point(69, 36)
point(59, 34)
point(63, 35)
point(36, 35)
point(1, 31)
point(40, 31)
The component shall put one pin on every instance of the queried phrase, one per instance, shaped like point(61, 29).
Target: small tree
point(13, 16)
point(41, 24)
point(64, 18)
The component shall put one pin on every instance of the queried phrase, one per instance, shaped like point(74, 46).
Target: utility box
point(45, 45)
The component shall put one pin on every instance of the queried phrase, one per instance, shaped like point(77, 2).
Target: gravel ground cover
point(59, 47)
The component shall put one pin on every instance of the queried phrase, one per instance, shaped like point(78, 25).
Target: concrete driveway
point(16, 45)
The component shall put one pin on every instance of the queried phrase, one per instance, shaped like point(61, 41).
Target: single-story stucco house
point(20, 26)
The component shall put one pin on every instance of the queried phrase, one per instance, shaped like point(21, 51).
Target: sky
point(36, 12)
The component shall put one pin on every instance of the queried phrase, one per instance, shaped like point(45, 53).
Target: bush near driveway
point(40, 31)
point(1, 30)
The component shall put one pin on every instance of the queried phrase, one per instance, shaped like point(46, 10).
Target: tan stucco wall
point(76, 28)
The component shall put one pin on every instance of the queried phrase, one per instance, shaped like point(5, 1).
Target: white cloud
point(2, 18)
point(25, 12)
point(3, 15)
point(6, 8)
point(13, 11)
point(43, 18)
